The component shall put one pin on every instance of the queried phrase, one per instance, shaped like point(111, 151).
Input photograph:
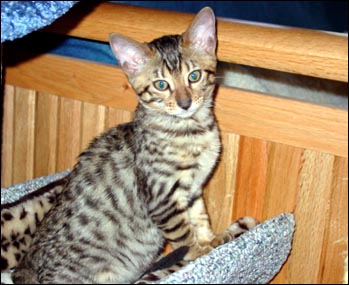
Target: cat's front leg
point(200, 220)
point(206, 237)
point(179, 230)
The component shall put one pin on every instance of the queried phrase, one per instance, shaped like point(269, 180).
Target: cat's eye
point(194, 76)
point(161, 85)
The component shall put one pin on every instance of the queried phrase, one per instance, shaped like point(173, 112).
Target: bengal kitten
point(140, 183)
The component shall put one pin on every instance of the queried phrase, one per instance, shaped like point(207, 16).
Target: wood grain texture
point(281, 120)
point(251, 178)
point(24, 136)
point(336, 228)
point(299, 51)
point(311, 214)
point(46, 134)
point(284, 165)
point(47, 72)
point(242, 112)
point(69, 133)
point(220, 191)
point(7, 136)
point(93, 123)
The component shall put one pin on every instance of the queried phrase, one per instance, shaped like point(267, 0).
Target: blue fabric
point(18, 18)
point(85, 49)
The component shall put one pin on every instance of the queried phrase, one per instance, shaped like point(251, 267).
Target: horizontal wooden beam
point(256, 115)
point(300, 51)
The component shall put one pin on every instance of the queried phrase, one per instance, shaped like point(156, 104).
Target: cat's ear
point(130, 54)
point(201, 34)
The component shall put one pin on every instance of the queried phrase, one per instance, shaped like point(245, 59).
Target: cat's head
point(172, 74)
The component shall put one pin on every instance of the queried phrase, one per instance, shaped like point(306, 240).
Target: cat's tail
point(170, 263)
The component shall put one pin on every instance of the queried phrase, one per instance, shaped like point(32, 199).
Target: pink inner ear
point(130, 54)
point(201, 34)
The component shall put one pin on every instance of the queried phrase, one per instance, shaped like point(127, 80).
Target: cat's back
point(99, 227)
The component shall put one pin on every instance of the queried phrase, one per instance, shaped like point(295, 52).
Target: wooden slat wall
point(272, 178)
point(44, 134)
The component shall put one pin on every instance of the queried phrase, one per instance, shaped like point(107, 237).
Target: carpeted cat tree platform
point(255, 257)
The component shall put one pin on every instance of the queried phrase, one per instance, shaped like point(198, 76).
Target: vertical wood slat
point(219, 193)
point(336, 235)
point(7, 136)
point(46, 135)
point(251, 178)
point(284, 164)
point(311, 214)
point(69, 133)
point(24, 118)
point(92, 122)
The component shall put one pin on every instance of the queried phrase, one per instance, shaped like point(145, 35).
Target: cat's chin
point(184, 114)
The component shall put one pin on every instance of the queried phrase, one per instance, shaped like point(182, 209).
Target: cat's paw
point(242, 225)
point(196, 252)
point(237, 228)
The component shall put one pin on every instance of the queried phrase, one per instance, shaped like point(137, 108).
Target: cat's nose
point(185, 103)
